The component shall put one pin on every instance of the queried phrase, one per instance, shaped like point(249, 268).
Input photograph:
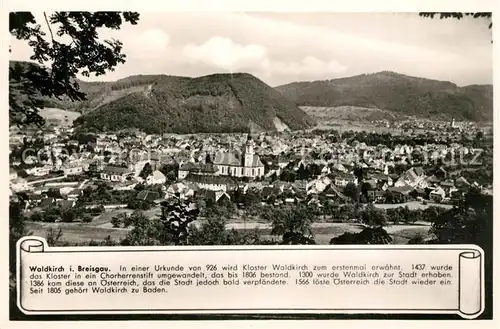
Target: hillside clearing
point(350, 113)
point(51, 113)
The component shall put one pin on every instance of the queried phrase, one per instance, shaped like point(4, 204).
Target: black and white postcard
point(249, 162)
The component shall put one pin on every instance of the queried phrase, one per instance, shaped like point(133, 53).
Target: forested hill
point(214, 103)
point(161, 103)
point(397, 93)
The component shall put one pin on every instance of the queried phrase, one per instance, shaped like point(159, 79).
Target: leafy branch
point(486, 15)
point(52, 73)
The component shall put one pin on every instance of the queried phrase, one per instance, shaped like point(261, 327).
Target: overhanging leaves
point(73, 47)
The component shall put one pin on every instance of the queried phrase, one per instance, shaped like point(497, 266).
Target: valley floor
point(100, 228)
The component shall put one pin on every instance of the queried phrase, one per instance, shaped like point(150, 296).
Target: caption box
point(246, 279)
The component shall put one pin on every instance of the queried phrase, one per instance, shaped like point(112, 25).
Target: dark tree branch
point(48, 26)
point(31, 85)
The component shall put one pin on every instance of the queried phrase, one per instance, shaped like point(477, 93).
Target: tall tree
point(468, 223)
point(73, 46)
point(176, 215)
point(294, 224)
point(351, 190)
point(146, 171)
point(374, 217)
point(369, 235)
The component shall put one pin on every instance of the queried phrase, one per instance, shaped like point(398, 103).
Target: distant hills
point(397, 93)
point(213, 103)
point(159, 103)
point(239, 102)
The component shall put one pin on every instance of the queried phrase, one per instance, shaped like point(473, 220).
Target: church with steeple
point(246, 164)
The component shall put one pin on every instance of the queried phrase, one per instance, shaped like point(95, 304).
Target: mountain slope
point(160, 103)
point(214, 103)
point(397, 93)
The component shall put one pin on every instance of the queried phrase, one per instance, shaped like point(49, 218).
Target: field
point(413, 205)
point(345, 118)
point(350, 113)
point(74, 233)
point(100, 228)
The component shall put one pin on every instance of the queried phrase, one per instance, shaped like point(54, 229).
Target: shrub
point(116, 221)
point(87, 218)
point(36, 217)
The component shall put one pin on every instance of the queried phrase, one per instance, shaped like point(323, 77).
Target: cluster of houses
point(224, 163)
point(465, 127)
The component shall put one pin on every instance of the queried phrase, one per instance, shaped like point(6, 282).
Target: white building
point(115, 174)
point(414, 177)
point(343, 179)
point(212, 183)
point(75, 169)
point(247, 164)
point(183, 190)
point(19, 185)
point(156, 178)
point(318, 185)
point(39, 171)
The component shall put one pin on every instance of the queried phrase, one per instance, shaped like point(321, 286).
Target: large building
point(246, 164)
point(212, 183)
point(197, 168)
point(116, 174)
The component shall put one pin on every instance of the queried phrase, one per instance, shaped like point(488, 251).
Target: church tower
point(249, 152)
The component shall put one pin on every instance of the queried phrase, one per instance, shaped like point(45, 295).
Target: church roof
point(115, 170)
point(228, 159)
point(256, 161)
point(198, 167)
point(234, 159)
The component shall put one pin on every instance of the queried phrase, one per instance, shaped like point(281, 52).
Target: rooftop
point(116, 170)
point(235, 159)
point(205, 179)
point(198, 167)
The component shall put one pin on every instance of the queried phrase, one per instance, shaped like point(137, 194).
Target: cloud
point(366, 47)
point(225, 54)
point(283, 47)
point(148, 44)
point(154, 38)
point(308, 67)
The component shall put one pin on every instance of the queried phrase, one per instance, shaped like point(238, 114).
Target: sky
point(280, 48)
